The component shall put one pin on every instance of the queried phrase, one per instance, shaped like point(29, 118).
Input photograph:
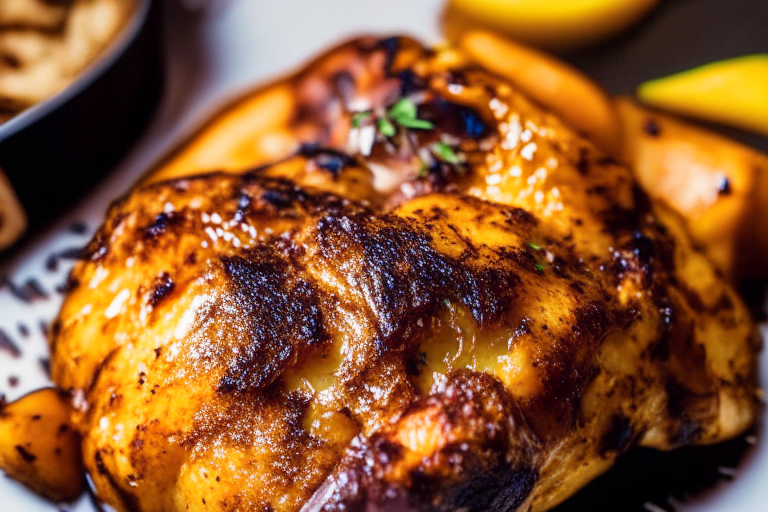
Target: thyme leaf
point(386, 128)
point(403, 109)
point(404, 113)
point(445, 153)
point(359, 116)
point(419, 124)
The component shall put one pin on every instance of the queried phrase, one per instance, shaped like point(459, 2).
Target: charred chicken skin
point(418, 291)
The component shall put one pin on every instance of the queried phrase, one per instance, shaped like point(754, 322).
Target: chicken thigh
point(416, 290)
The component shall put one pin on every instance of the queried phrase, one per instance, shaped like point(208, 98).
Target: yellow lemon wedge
point(552, 24)
point(732, 92)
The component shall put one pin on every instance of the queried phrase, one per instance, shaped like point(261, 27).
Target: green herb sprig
point(359, 116)
point(404, 113)
point(445, 153)
point(386, 127)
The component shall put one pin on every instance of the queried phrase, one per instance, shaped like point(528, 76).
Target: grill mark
point(160, 224)
point(100, 368)
point(495, 471)
point(275, 310)
point(163, 286)
point(129, 501)
point(392, 265)
point(391, 45)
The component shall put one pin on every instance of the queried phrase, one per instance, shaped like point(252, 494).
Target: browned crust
point(299, 270)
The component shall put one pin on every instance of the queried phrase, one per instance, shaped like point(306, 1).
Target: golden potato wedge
point(236, 138)
point(718, 185)
point(13, 218)
point(557, 86)
point(39, 447)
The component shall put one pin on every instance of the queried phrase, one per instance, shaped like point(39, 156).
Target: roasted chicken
point(407, 288)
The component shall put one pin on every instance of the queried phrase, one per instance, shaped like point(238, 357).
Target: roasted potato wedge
point(236, 138)
point(718, 185)
point(39, 447)
point(13, 219)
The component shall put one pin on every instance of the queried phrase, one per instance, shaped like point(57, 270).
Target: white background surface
point(212, 55)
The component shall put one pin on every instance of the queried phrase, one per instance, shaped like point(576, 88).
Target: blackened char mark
point(391, 46)
point(282, 198)
point(520, 217)
point(25, 455)
point(502, 490)
point(692, 398)
point(689, 410)
point(618, 436)
point(652, 128)
point(329, 159)
point(487, 462)
point(129, 501)
point(159, 225)
point(161, 288)
point(391, 263)
point(554, 412)
point(269, 312)
point(455, 119)
point(410, 82)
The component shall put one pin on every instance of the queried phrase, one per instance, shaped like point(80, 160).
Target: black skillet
point(55, 150)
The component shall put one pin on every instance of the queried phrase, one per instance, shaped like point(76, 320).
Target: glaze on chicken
point(478, 311)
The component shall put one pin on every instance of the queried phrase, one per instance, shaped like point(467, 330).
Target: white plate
point(213, 55)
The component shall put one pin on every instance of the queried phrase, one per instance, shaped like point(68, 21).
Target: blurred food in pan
point(45, 45)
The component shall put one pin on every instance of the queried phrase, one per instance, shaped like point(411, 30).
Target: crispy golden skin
point(398, 330)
